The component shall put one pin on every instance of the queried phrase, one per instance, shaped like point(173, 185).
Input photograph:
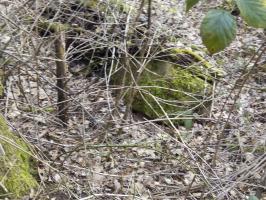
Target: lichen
point(16, 166)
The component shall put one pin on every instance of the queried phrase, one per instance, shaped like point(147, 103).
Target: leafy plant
point(252, 197)
point(190, 4)
point(218, 28)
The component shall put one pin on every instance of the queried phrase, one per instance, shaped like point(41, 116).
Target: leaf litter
point(145, 161)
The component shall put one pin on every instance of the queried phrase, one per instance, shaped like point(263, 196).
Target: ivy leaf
point(253, 12)
point(190, 4)
point(218, 29)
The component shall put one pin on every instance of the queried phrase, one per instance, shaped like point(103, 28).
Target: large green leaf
point(217, 30)
point(190, 4)
point(252, 197)
point(253, 12)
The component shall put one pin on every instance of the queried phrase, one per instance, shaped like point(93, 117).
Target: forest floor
point(146, 161)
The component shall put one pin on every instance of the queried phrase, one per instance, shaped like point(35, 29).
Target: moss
point(45, 26)
point(200, 67)
point(53, 26)
point(120, 5)
point(16, 165)
point(176, 90)
point(172, 84)
point(89, 3)
point(48, 109)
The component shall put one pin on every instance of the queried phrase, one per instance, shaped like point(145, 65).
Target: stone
point(178, 84)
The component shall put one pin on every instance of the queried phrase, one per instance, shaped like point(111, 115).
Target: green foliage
point(188, 123)
point(218, 30)
point(253, 12)
point(252, 197)
point(190, 4)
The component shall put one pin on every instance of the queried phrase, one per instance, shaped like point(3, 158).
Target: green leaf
point(252, 197)
point(188, 123)
point(253, 12)
point(190, 4)
point(218, 29)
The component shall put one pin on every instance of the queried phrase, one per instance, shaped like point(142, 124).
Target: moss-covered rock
point(120, 5)
point(16, 169)
point(177, 83)
point(168, 88)
point(195, 63)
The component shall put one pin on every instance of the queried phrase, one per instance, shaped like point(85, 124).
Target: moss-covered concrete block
point(16, 169)
point(177, 83)
point(166, 88)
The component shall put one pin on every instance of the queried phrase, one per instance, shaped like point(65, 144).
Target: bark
point(61, 70)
